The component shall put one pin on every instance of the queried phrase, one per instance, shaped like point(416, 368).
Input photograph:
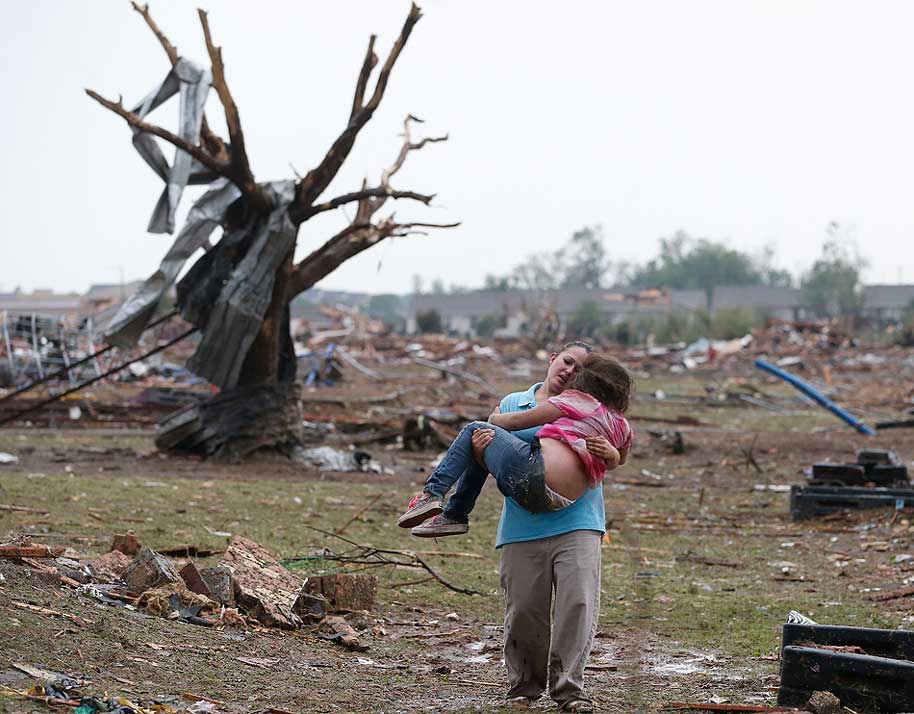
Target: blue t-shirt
point(518, 524)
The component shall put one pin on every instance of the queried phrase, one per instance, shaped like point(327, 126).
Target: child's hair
point(606, 380)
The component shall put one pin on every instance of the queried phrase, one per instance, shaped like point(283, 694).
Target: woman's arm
point(515, 421)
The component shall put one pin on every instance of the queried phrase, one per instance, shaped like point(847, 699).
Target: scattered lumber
point(29, 551)
point(459, 373)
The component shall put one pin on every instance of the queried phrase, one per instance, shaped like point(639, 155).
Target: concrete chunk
point(221, 584)
point(215, 583)
point(149, 570)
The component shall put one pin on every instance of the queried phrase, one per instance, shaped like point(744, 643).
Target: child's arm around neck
point(537, 416)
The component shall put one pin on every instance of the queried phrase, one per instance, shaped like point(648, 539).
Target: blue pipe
point(816, 395)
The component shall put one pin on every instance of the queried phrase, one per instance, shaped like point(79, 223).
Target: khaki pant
point(567, 566)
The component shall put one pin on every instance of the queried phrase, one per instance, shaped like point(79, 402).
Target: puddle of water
point(672, 668)
point(479, 659)
point(683, 663)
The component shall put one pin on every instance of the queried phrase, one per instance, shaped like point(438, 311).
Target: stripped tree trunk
point(238, 293)
point(232, 425)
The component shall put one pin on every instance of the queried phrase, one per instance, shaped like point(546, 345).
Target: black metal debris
point(877, 677)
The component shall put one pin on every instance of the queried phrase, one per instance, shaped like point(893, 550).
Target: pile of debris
point(878, 479)
point(65, 690)
point(248, 588)
point(868, 669)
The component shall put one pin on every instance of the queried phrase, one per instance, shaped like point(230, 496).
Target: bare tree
point(238, 292)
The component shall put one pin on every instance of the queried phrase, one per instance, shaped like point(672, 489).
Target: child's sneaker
point(421, 508)
point(440, 526)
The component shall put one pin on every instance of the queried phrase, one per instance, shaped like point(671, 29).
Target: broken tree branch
point(211, 141)
point(362, 233)
point(407, 147)
point(239, 158)
point(357, 514)
point(377, 192)
point(210, 162)
point(317, 179)
point(350, 241)
point(169, 48)
point(414, 14)
point(368, 64)
point(381, 556)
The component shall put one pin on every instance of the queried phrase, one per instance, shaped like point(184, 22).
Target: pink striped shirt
point(585, 416)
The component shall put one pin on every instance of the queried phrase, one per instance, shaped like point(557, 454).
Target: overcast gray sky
point(746, 122)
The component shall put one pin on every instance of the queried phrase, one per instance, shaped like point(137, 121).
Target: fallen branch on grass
point(358, 513)
point(23, 509)
point(55, 613)
point(750, 456)
point(475, 682)
point(450, 554)
point(369, 555)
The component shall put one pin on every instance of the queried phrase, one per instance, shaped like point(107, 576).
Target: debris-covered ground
point(701, 562)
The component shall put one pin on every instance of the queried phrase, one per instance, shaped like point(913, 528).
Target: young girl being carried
point(551, 472)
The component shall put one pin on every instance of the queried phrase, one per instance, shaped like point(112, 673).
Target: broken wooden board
point(29, 551)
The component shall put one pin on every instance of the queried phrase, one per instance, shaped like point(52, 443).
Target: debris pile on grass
point(249, 587)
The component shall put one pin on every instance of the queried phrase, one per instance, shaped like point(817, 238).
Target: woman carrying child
point(550, 561)
point(555, 468)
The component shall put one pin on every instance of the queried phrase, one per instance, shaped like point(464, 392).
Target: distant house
point(460, 312)
point(102, 299)
point(519, 310)
point(766, 300)
point(45, 303)
point(887, 303)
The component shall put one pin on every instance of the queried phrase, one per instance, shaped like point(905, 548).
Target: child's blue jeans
point(517, 466)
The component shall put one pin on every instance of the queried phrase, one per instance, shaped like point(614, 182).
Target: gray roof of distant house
point(565, 301)
point(755, 296)
point(40, 304)
point(109, 291)
point(888, 296)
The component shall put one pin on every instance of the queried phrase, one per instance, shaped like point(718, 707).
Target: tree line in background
point(830, 287)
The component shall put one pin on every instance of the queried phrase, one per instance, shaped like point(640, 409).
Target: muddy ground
point(700, 566)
